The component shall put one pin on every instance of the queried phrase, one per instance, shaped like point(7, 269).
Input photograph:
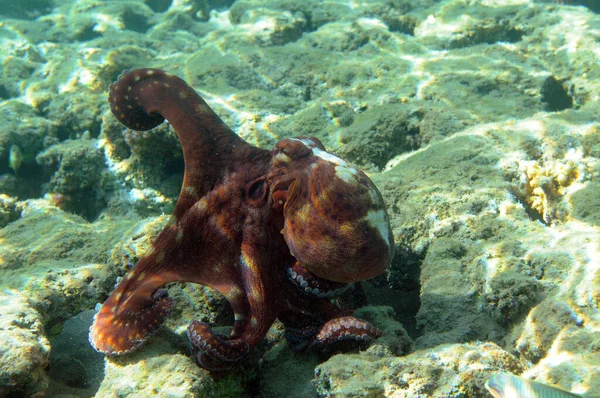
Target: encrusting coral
point(543, 186)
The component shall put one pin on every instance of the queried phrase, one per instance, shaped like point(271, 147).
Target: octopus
point(278, 233)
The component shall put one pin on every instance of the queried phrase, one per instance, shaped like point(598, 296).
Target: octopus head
point(335, 221)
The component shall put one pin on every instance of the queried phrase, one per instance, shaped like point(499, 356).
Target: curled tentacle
point(214, 352)
point(143, 98)
point(133, 312)
point(346, 328)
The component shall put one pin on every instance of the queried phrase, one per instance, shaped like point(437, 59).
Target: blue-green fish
point(506, 385)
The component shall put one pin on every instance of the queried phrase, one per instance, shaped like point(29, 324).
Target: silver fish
point(15, 158)
point(506, 385)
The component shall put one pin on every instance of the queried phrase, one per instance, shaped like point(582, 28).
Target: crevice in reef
point(401, 286)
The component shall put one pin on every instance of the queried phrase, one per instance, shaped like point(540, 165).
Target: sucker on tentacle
point(214, 352)
point(312, 285)
point(346, 328)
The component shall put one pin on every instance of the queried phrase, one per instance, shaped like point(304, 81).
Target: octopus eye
point(256, 191)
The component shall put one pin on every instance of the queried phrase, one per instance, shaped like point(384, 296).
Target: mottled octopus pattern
point(278, 233)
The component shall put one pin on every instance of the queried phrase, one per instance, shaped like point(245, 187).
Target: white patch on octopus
point(346, 174)
point(378, 220)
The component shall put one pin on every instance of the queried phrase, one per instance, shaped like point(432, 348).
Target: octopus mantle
point(278, 233)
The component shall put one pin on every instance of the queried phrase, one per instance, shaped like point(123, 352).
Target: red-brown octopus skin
point(277, 233)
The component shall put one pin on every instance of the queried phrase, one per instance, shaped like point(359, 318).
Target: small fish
point(15, 158)
point(506, 385)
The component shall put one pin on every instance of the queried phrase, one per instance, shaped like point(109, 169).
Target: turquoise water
point(477, 121)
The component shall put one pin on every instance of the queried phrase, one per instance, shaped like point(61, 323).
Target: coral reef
point(379, 134)
point(477, 120)
point(543, 187)
point(76, 168)
point(25, 348)
point(135, 375)
point(448, 370)
point(8, 210)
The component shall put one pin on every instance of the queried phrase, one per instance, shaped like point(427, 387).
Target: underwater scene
point(300, 198)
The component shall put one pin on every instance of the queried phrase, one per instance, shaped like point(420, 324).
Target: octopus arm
point(142, 98)
point(134, 310)
point(191, 249)
point(316, 322)
point(254, 313)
